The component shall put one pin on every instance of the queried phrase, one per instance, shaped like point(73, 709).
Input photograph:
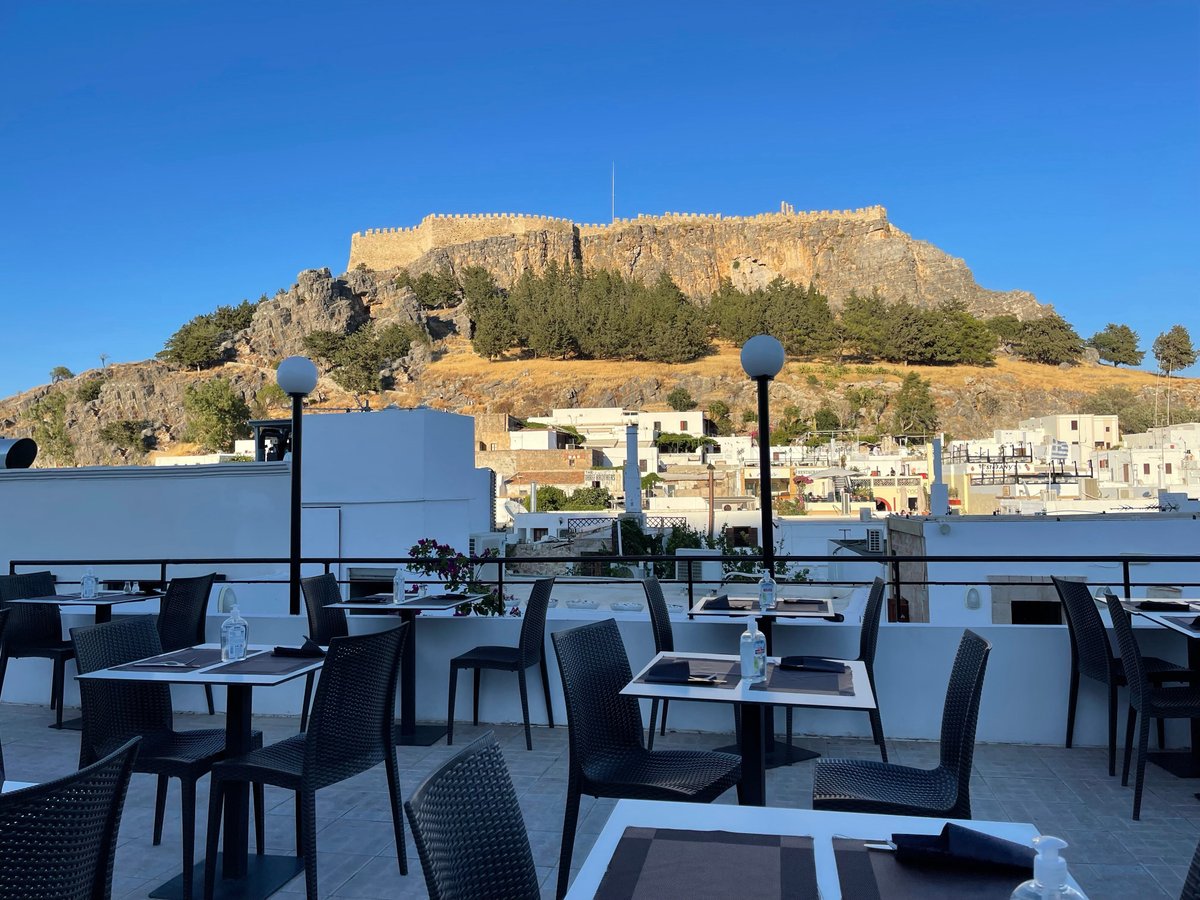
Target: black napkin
point(721, 601)
point(1194, 624)
point(811, 664)
point(962, 847)
point(310, 649)
point(1164, 606)
point(669, 671)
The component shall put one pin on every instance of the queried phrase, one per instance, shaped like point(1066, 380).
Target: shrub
point(216, 415)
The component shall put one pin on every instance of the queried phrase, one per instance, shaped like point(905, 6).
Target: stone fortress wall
point(386, 248)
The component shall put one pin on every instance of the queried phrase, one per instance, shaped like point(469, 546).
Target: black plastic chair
point(3, 621)
point(35, 631)
point(868, 638)
point(58, 839)
point(324, 624)
point(1191, 886)
point(350, 731)
point(1145, 699)
point(1092, 655)
point(181, 617)
point(529, 652)
point(469, 831)
point(607, 755)
point(664, 642)
point(115, 711)
point(852, 785)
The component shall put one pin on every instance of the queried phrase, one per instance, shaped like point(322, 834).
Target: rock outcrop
point(842, 251)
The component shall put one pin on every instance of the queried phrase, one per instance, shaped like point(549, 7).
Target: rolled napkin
point(721, 601)
point(310, 649)
point(669, 671)
point(963, 847)
point(1164, 605)
point(811, 664)
point(800, 601)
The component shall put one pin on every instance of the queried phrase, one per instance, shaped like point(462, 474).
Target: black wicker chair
point(1191, 886)
point(1145, 699)
point(3, 621)
point(350, 731)
point(664, 642)
point(115, 711)
point(324, 624)
point(35, 631)
point(530, 651)
point(868, 638)
point(58, 839)
point(1092, 655)
point(608, 757)
point(468, 829)
point(181, 616)
point(852, 785)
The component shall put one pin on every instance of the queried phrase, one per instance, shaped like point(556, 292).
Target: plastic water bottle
point(235, 636)
point(399, 587)
point(766, 592)
point(1049, 881)
point(88, 584)
point(753, 647)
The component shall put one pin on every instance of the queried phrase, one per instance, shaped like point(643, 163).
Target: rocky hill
point(838, 251)
point(444, 373)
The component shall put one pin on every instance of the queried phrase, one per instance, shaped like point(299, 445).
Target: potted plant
point(458, 572)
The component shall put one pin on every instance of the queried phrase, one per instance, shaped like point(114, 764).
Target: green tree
point(434, 290)
point(216, 415)
point(825, 419)
point(913, 410)
point(198, 343)
point(49, 417)
point(1049, 340)
point(268, 397)
point(126, 434)
point(358, 359)
point(60, 373)
point(719, 413)
point(492, 326)
point(861, 324)
point(1173, 349)
point(549, 498)
point(1117, 344)
point(589, 498)
point(89, 389)
point(1006, 328)
point(680, 400)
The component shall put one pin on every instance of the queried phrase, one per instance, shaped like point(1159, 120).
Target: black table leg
point(752, 789)
point(241, 876)
point(408, 732)
point(1184, 764)
point(103, 614)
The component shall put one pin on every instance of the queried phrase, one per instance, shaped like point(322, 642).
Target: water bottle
point(753, 653)
point(87, 584)
point(235, 635)
point(398, 586)
point(766, 592)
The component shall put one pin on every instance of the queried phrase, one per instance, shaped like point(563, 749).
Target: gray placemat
point(800, 682)
point(263, 664)
point(657, 863)
point(877, 875)
point(730, 670)
point(191, 658)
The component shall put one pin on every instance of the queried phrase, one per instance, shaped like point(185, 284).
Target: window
point(570, 462)
point(1145, 468)
point(641, 465)
point(1167, 468)
point(1104, 463)
point(683, 425)
point(1074, 424)
point(493, 447)
point(1108, 428)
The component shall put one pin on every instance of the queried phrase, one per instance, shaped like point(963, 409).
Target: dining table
point(408, 732)
point(243, 876)
point(652, 849)
point(717, 678)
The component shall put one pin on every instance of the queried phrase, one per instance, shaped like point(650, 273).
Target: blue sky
point(160, 159)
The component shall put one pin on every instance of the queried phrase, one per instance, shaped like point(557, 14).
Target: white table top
point(102, 599)
point(821, 826)
point(775, 612)
point(417, 604)
point(743, 693)
point(208, 675)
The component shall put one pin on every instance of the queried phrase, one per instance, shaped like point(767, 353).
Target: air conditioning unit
point(702, 570)
point(488, 540)
point(874, 540)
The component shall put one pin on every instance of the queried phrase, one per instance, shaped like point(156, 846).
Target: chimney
point(939, 493)
point(633, 475)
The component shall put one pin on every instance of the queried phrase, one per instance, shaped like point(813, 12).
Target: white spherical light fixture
point(762, 356)
point(297, 376)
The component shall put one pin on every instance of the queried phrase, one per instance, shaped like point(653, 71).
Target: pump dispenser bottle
point(1049, 881)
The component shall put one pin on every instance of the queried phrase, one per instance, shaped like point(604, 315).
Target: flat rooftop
point(1062, 792)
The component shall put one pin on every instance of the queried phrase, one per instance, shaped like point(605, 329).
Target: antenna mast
point(614, 191)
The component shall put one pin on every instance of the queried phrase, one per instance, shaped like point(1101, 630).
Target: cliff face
point(840, 252)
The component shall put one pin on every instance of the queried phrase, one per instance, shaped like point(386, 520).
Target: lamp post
point(297, 376)
point(762, 360)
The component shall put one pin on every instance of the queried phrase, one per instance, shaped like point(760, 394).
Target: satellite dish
point(513, 508)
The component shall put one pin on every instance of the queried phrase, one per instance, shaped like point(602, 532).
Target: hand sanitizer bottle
point(753, 646)
point(766, 591)
point(398, 586)
point(235, 635)
point(87, 584)
point(1049, 881)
